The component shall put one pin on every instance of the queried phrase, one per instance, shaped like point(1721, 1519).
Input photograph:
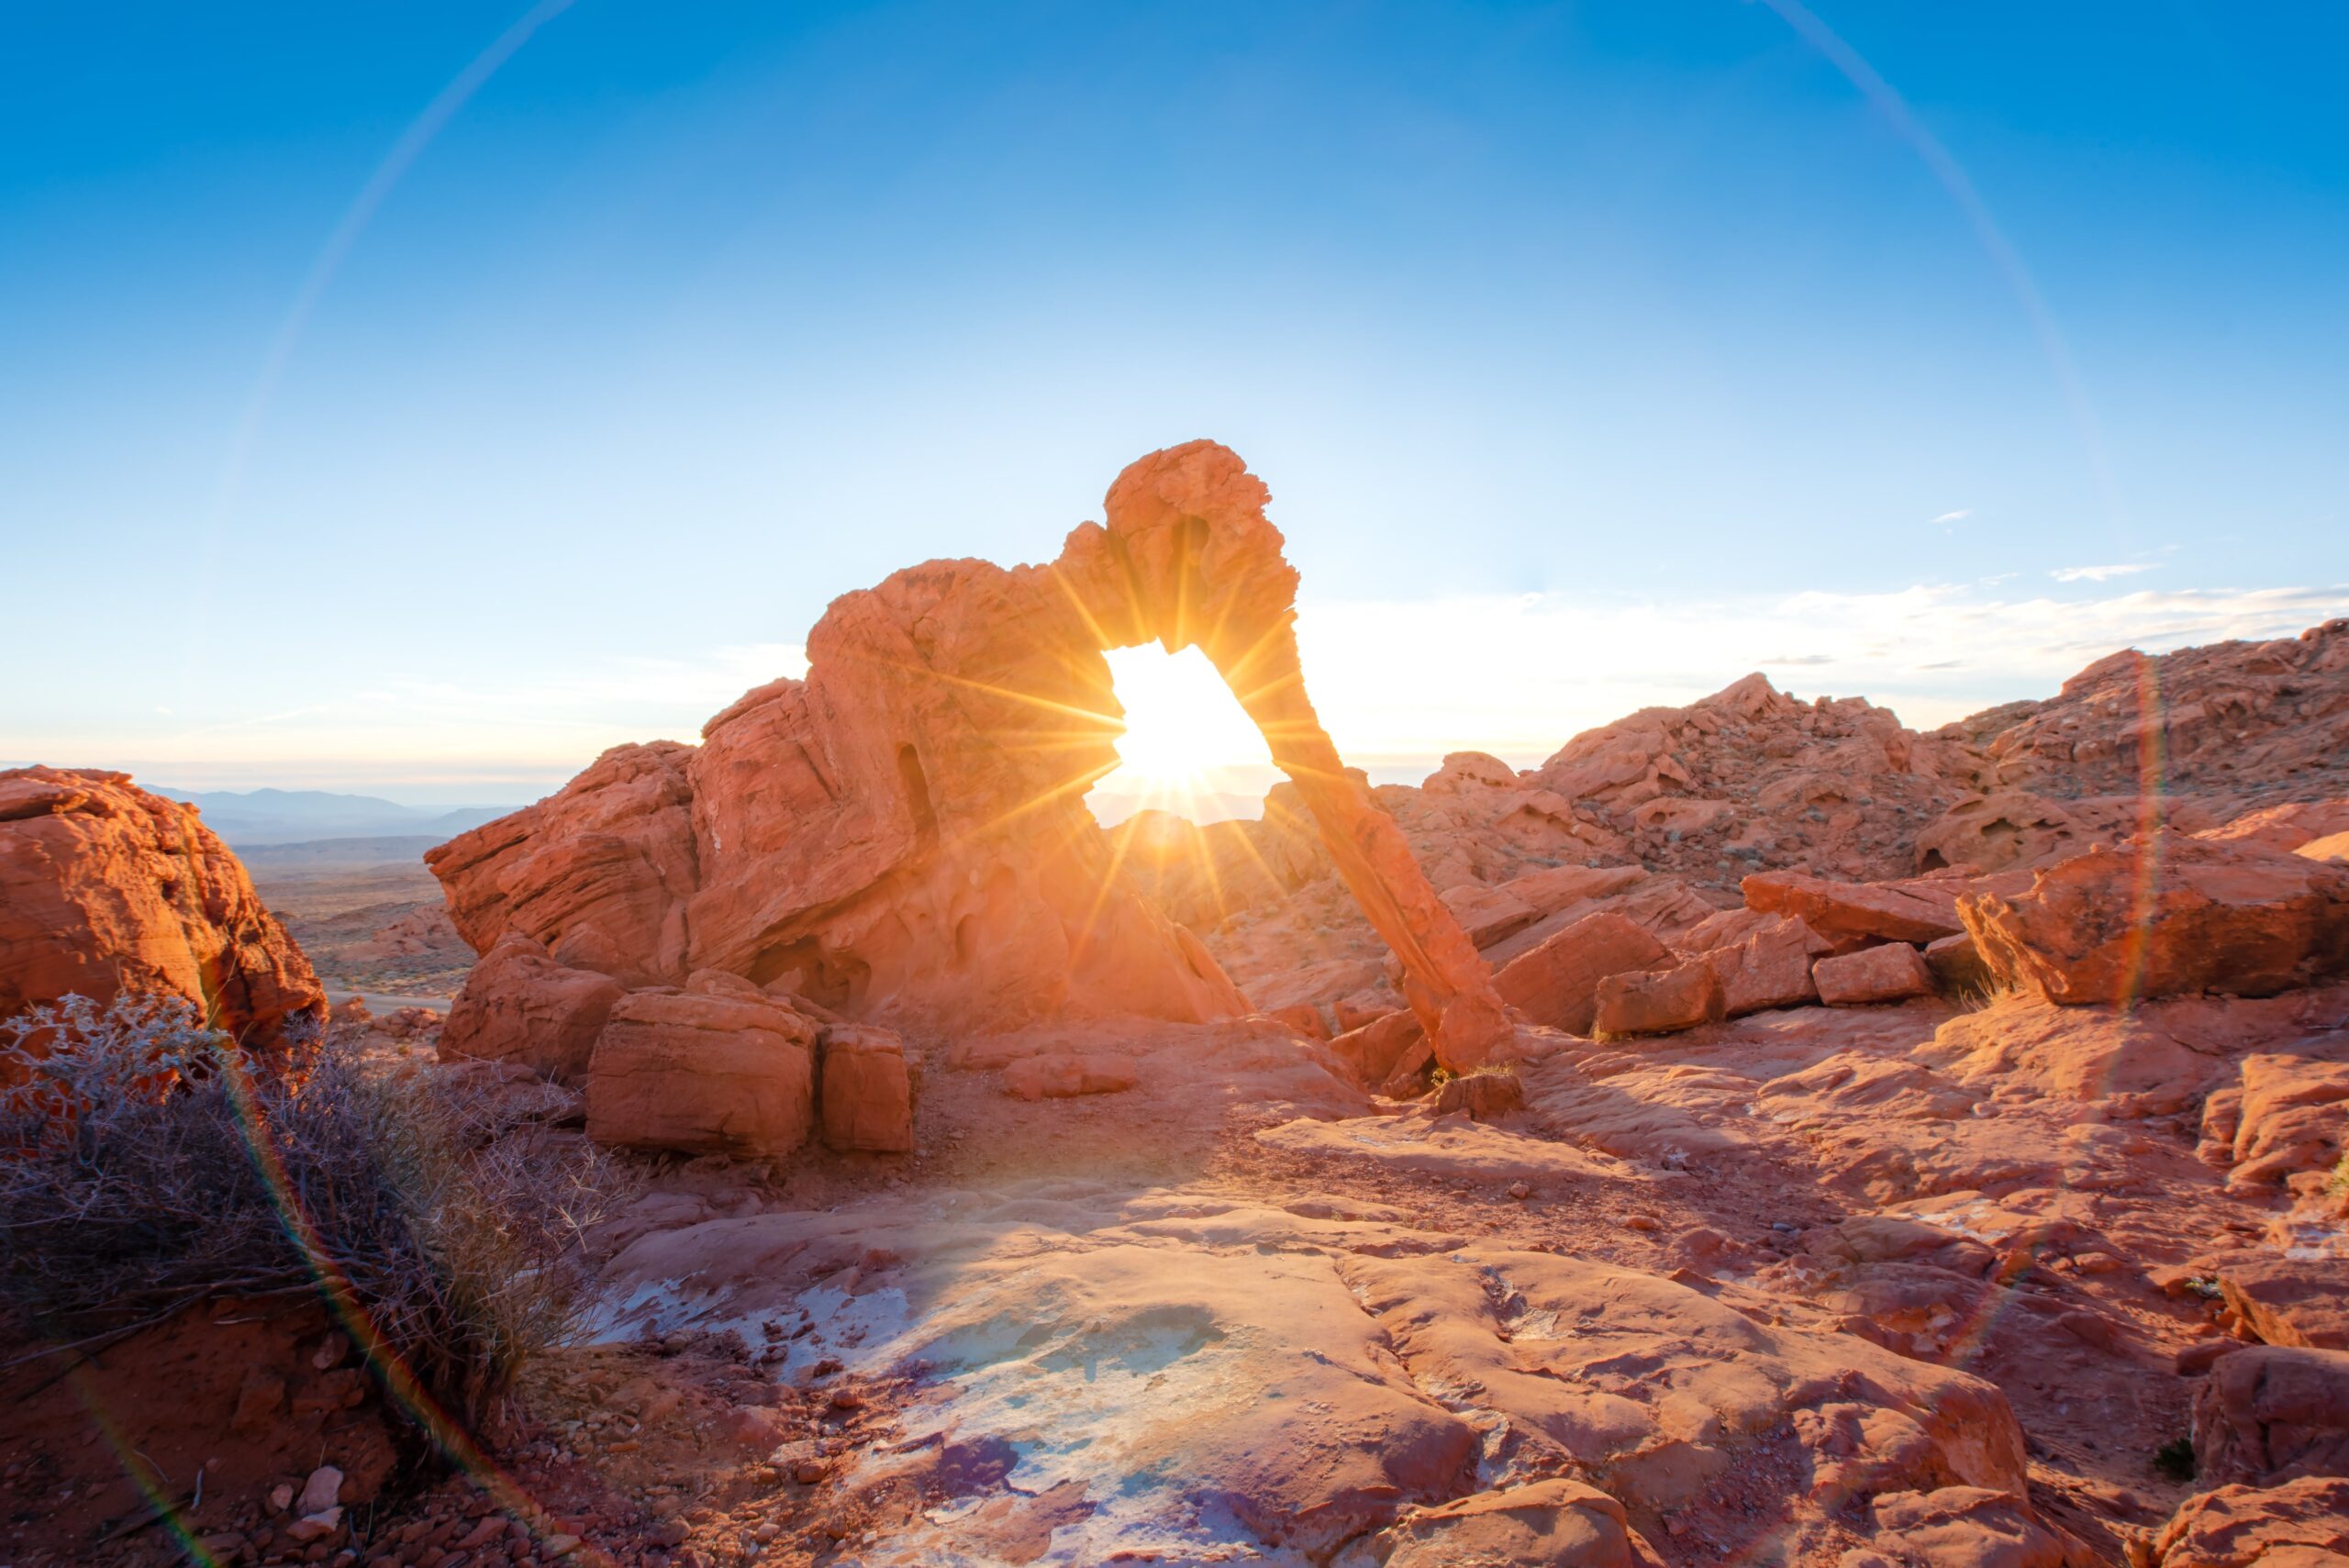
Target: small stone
point(318, 1526)
point(1520, 1191)
point(322, 1491)
point(281, 1497)
point(481, 1534)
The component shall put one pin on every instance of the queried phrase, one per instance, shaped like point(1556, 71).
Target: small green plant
point(2175, 1458)
point(2339, 1184)
point(1439, 1076)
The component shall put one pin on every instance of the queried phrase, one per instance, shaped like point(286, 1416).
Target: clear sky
point(416, 398)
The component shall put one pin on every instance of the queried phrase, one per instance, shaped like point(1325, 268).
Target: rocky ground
point(1930, 1283)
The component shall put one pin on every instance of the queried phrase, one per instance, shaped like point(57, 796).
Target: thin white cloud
point(1957, 517)
point(2098, 574)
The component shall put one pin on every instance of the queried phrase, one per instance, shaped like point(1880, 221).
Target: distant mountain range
point(300, 816)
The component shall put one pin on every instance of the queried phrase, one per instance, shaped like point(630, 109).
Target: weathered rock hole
point(1188, 747)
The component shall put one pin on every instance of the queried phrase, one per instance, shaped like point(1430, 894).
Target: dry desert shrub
point(147, 1164)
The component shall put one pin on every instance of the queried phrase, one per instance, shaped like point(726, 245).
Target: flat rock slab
point(1172, 1375)
point(1448, 1146)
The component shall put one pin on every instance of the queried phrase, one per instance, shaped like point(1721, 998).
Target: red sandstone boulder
point(867, 1093)
point(1377, 1050)
point(1557, 982)
point(520, 1005)
point(2300, 1524)
point(1065, 1074)
point(1853, 909)
point(2285, 827)
point(1304, 1018)
point(105, 888)
point(1659, 1001)
point(2165, 914)
point(1556, 1521)
point(1891, 971)
point(2301, 1302)
point(703, 1074)
point(2270, 1413)
point(1769, 966)
point(1958, 964)
point(1490, 913)
point(2288, 1117)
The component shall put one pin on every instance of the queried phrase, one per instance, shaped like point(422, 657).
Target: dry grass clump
point(146, 1165)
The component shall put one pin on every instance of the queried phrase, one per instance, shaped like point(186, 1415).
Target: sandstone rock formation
point(1659, 1001)
point(2300, 1524)
point(2243, 723)
point(1891, 972)
point(105, 888)
point(520, 1005)
point(901, 836)
point(2165, 914)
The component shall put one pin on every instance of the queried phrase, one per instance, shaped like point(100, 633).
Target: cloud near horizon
point(1398, 683)
point(2100, 574)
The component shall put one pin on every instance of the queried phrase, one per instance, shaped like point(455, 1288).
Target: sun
point(1187, 749)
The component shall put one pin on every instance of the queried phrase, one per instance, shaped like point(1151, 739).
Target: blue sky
point(361, 432)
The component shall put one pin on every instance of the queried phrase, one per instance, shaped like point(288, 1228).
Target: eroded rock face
point(901, 836)
point(596, 872)
point(1200, 1377)
point(2229, 719)
point(2300, 1524)
point(2167, 914)
point(105, 888)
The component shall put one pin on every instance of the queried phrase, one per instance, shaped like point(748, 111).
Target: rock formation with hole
point(901, 836)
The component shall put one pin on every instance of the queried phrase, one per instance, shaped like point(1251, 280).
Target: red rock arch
point(902, 834)
point(1188, 559)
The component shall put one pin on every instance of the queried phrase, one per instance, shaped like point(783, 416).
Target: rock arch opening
point(1188, 748)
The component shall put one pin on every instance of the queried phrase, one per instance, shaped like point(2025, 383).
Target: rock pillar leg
point(1445, 979)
